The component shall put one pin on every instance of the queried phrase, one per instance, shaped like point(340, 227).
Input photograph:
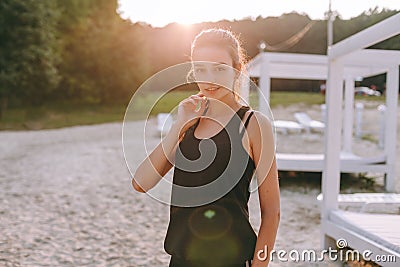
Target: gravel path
point(66, 200)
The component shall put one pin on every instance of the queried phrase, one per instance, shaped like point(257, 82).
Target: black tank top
point(218, 231)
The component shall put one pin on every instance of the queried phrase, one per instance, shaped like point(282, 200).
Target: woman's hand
point(190, 109)
point(160, 160)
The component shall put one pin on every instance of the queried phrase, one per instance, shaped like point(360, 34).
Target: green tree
point(28, 50)
point(346, 28)
point(103, 55)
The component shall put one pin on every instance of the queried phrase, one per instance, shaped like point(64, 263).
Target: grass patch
point(169, 101)
point(349, 182)
point(290, 98)
point(379, 99)
point(370, 138)
point(57, 115)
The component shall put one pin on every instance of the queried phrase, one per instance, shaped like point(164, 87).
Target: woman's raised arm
point(161, 159)
point(158, 163)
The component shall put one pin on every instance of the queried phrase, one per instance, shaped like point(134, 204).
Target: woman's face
point(213, 71)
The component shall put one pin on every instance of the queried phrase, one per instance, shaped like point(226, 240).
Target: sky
point(159, 13)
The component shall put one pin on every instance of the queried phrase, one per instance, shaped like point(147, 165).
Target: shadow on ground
point(349, 182)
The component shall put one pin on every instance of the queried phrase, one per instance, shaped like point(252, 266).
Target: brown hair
point(224, 39)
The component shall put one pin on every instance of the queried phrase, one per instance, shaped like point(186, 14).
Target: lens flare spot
point(209, 214)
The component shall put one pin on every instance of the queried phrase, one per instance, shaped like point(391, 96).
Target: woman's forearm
point(266, 239)
point(157, 164)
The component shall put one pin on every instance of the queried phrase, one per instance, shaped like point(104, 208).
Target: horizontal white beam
point(295, 58)
point(370, 36)
point(304, 71)
point(366, 62)
point(373, 57)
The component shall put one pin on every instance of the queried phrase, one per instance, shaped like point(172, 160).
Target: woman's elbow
point(137, 187)
point(271, 215)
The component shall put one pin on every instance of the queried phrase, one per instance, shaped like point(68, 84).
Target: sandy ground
point(66, 197)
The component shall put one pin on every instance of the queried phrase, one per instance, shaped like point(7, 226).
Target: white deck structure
point(346, 60)
point(356, 63)
point(379, 233)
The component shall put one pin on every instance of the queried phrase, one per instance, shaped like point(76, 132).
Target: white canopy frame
point(378, 233)
point(268, 65)
point(375, 232)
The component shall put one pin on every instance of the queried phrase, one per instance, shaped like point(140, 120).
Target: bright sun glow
point(159, 13)
point(186, 24)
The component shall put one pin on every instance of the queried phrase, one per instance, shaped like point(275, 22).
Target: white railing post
point(244, 89)
point(392, 95)
point(265, 86)
point(333, 132)
point(348, 118)
point(359, 115)
point(382, 110)
point(323, 113)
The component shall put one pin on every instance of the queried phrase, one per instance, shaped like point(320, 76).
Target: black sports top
point(218, 231)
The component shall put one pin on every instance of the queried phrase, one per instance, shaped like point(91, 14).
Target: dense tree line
point(28, 50)
point(82, 50)
point(75, 50)
point(103, 56)
point(171, 44)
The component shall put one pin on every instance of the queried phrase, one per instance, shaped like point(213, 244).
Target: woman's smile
point(212, 88)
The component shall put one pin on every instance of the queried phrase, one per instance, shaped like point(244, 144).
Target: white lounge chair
point(366, 199)
point(164, 122)
point(375, 233)
point(287, 126)
point(308, 123)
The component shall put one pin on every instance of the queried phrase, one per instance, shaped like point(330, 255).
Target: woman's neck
point(223, 107)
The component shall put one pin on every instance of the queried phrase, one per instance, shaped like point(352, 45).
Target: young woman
point(213, 229)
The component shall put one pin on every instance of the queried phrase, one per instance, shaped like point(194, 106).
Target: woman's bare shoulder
point(258, 120)
point(259, 128)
